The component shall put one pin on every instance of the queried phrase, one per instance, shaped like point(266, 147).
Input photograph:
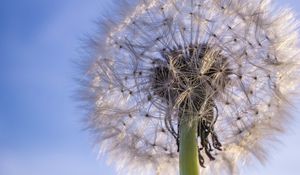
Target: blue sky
point(40, 129)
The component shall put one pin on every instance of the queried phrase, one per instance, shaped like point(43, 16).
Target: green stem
point(188, 153)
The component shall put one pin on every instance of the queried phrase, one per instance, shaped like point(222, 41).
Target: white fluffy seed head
point(249, 71)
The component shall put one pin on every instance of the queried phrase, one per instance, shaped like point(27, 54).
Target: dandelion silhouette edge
point(232, 65)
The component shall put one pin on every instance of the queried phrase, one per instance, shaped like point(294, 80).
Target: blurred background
point(40, 125)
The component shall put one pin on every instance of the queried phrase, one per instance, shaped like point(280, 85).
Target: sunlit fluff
point(233, 63)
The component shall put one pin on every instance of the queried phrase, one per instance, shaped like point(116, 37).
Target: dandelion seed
point(226, 68)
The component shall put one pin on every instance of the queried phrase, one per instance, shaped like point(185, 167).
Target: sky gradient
point(40, 128)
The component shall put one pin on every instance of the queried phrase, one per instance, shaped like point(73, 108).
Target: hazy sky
point(40, 129)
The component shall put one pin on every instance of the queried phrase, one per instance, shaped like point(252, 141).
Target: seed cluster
point(192, 71)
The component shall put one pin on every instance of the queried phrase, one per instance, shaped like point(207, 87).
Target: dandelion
point(192, 86)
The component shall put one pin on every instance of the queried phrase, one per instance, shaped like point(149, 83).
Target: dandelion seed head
point(230, 64)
